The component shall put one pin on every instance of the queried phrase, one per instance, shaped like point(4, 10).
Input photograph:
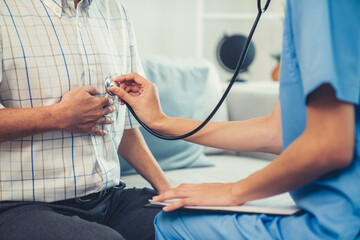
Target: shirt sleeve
point(326, 38)
point(136, 66)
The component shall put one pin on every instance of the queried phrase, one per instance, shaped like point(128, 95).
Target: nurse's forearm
point(255, 135)
point(300, 164)
point(251, 135)
point(327, 144)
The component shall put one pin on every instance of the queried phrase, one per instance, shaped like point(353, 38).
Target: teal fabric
point(320, 46)
point(181, 85)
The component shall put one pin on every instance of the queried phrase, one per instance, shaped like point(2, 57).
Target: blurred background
point(193, 28)
point(178, 42)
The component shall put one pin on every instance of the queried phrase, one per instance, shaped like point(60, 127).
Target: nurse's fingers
point(122, 94)
point(176, 205)
point(171, 194)
point(131, 77)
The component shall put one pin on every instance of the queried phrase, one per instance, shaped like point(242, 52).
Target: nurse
point(315, 129)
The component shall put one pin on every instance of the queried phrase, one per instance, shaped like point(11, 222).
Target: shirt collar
point(56, 5)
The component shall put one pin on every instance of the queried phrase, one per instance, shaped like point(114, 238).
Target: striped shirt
point(47, 49)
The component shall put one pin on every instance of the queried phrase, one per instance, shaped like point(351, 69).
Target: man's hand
point(207, 194)
point(81, 111)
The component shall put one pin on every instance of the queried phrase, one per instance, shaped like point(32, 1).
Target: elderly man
point(60, 133)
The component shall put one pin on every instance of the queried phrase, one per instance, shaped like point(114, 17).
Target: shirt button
point(80, 24)
point(58, 11)
point(91, 68)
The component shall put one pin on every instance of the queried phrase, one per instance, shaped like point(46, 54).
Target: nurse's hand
point(141, 95)
point(207, 194)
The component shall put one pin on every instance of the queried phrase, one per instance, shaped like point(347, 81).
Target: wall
point(168, 27)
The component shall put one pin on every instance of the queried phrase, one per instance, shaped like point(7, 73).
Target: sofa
point(245, 101)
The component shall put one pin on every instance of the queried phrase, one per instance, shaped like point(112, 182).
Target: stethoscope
point(109, 83)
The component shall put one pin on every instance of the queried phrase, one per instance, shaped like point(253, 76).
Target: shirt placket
point(89, 78)
point(81, 23)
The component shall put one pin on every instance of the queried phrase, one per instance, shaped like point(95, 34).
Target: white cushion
point(227, 169)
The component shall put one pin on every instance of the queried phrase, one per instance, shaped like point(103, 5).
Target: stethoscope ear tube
point(237, 70)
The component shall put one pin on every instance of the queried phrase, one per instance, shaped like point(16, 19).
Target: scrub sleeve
point(321, 45)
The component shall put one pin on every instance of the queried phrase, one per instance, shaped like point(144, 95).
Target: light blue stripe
point(32, 167)
point(31, 103)
point(54, 139)
point(129, 118)
point(51, 139)
point(23, 51)
point(127, 26)
point(41, 99)
point(31, 15)
point(67, 71)
point(10, 152)
point(8, 85)
point(87, 59)
point(106, 177)
point(118, 110)
point(52, 93)
point(57, 178)
point(99, 160)
point(102, 16)
point(73, 163)
point(62, 52)
point(69, 54)
point(53, 160)
point(57, 4)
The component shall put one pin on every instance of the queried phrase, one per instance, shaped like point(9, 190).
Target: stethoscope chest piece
point(109, 83)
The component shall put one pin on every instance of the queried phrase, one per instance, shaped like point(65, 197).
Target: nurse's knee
point(165, 222)
point(163, 219)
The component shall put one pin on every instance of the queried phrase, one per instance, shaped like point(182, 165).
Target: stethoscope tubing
point(211, 115)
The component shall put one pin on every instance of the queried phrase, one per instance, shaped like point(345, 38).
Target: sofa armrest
point(251, 100)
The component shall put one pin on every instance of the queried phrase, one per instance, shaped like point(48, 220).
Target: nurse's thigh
point(196, 225)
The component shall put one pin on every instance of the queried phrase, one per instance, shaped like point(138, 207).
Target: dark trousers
point(115, 214)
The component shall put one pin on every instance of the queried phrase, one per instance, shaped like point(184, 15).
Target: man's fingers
point(91, 90)
point(108, 109)
point(106, 101)
point(98, 132)
point(105, 120)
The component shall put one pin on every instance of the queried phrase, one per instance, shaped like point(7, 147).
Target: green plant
point(276, 56)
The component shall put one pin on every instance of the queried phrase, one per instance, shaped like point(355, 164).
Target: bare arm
point(135, 151)
point(327, 144)
point(262, 134)
point(255, 135)
point(78, 112)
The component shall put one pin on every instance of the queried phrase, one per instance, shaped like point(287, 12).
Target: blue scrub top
point(322, 46)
